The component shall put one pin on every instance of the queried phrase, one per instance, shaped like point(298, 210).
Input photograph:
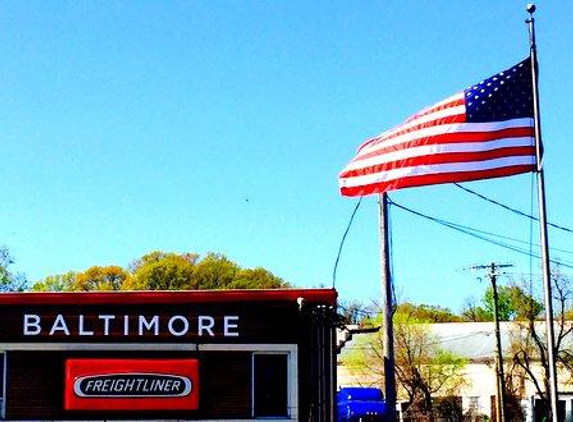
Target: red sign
point(132, 384)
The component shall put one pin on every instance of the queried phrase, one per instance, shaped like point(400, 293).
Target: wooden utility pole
point(500, 377)
point(387, 299)
point(500, 374)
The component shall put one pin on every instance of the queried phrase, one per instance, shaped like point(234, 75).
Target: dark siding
point(258, 323)
point(227, 384)
point(36, 381)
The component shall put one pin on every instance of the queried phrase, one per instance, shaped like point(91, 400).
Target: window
point(270, 385)
point(474, 404)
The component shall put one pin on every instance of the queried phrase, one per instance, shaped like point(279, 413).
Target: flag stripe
point(453, 101)
point(433, 179)
point(449, 115)
point(453, 156)
point(478, 129)
point(435, 169)
point(450, 142)
point(441, 120)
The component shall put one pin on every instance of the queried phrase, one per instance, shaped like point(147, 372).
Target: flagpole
point(386, 279)
point(552, 394)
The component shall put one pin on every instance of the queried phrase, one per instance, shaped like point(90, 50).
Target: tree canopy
point(165, 271)
point(57, 283)
point(427, 313)
point(514, 303)
point(9, 282)
point(111, 277)
point(424, 369)
point(528, 350)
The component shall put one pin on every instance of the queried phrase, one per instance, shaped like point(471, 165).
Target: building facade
point(475, 341)
point(209, 355)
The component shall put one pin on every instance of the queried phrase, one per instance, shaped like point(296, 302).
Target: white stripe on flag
point(422, 170)
point(379, 143)
point(427, 150)
point(440, 114)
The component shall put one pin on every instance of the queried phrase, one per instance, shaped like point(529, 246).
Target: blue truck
point(361, 404)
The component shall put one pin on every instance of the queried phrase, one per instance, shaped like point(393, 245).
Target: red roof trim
point(327, 296)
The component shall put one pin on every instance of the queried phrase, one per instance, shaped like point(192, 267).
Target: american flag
point(486, 131)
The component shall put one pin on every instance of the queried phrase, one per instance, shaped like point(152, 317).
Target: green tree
point(157, 256)
point(96, 278)
point(513, 304)
point(187, 271)
point(472, 312)
point(163, 271)
point(423, 368)
point(10, 282)
point(525, 305)
point(57, 283)
point(429, 313)
point(527, 354)
point(256, 278)
point(215, 271)
point(505, 305)
point(166, 271)
point(111, 277)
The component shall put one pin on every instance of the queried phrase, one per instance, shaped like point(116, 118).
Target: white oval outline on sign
point(187, 390)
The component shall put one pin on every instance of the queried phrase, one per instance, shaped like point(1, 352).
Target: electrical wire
point(342, 241)
point(479, 234)
point(391, 258)
point(476, 233)
point(513, 210)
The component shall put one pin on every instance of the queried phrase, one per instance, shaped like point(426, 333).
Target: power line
point(342, 241)
point(479, 234)
point(476, 233)
point(391, 258)
point(511, 209)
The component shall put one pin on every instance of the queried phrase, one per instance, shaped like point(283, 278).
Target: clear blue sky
point(132, 126)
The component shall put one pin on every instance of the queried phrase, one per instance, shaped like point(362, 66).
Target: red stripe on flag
point(441, 158)
point(452, 138)
point(434, 179)
point(432, 109)
point(457, 118)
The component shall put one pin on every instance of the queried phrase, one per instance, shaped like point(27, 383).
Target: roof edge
point(327, 296)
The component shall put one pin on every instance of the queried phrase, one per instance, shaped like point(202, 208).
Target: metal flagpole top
point(530, 21)
point(531, 9)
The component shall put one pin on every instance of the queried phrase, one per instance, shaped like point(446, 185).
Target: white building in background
point(474, 341)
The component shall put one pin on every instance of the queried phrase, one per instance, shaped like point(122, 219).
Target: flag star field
point(507, 95)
